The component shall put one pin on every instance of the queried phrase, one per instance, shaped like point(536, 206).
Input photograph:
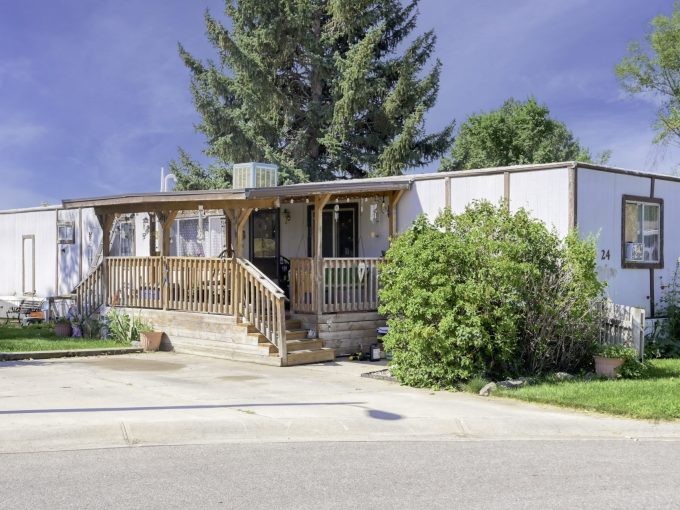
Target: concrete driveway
point(167, 398)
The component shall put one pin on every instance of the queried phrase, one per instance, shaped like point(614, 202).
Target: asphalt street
point(164, 430)
point(483, 474)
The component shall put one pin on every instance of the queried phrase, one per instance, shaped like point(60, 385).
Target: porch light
point(286, 215)
point(336, 213)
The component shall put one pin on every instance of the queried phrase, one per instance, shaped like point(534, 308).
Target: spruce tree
point(319, 87)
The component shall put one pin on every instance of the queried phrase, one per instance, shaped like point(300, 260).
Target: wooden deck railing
point(189, 284)
point(349, 284)
point(135, 282)
point(301, 278)
point(197, 284)
point(89, 293)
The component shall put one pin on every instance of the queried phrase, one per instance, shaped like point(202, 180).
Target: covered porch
point(295, 258)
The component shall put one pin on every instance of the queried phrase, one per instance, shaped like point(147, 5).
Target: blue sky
point(94, 99)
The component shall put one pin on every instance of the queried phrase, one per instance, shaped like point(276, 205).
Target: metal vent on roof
point(255, 175)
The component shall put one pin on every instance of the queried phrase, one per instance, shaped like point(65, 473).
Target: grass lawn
point(14, 338)
point(655, 397)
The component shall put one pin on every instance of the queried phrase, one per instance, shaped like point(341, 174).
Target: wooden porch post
point(240, 225)
point(106, 223)
point(395, 196)
point(165, 218)
point(232, 221)
point(320, 202)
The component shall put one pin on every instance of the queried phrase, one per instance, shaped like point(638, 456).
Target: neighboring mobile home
point(305, 257)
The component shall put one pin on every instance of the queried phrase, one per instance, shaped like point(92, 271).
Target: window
point(125, 231)
point(642, 241)
point(66, 232)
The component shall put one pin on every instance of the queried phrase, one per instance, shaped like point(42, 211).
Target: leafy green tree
point(515, 134)
point(320, 87)
point(654, 69)
point(488, 293)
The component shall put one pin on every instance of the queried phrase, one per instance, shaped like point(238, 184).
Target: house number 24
point(605, 255)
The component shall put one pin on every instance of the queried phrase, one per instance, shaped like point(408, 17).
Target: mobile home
point(252, 272)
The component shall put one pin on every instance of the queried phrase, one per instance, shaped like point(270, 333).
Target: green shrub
point(632, 367)
point(123, 328)
point(488, 293)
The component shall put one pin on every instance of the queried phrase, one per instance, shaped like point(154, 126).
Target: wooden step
point(181, 342)
point(293, 324)
point(306, 356)
point(298, 345)
point(231, 355)
point(296, 334)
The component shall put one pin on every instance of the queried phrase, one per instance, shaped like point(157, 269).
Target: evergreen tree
point(316, 86)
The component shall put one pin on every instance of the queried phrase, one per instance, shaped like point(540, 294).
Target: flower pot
point(63, 329)
point(151, 340)
point(607, 366)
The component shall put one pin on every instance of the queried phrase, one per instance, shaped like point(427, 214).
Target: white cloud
point(19, 133)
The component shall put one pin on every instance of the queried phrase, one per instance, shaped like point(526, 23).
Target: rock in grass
point(564, 376)
point(487, 389)
point(512, 383)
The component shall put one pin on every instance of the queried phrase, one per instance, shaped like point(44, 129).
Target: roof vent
point(255, 175)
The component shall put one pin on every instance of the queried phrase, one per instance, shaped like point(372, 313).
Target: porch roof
point(238, 198)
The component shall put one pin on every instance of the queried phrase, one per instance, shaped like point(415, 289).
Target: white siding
point(373, 237)
point(69, 254)
point(599, 199)
point(15, 225)
point(425, 197)
point(465, 190)
point(91, 237)
point(294, 233)
point(543, 193)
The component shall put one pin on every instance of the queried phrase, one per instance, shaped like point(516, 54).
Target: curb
point(71, 353)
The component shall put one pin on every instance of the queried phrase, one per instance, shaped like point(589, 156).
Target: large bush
point(489, 293)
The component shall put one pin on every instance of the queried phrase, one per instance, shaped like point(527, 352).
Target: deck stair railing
point(260, 302)
point(90, 293)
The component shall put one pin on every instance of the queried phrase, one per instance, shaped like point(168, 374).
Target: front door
point(264, 241)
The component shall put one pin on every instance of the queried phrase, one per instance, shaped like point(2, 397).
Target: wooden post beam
point(240, 226)
point(165, 218)
point(231, 222)
point(320, 202)
point(395, 196)
point(106, 223)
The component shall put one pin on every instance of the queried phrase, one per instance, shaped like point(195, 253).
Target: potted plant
point(609, 359)
point(62, 327)
point(149, 340)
